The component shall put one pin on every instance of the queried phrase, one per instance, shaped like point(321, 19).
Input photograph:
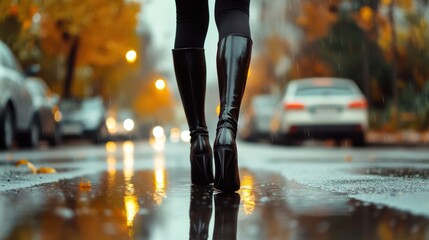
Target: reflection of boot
point(200, 212)
point(190, 70)
point(233, 59)
point(226, 211)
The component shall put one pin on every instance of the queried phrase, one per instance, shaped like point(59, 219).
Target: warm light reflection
point(175, 135)
point(111, 166)
point(128, 149)
point(130, 200)
point(131, 209)
point(247, 194)
point(158, 144)
point(111, 147)
point(185, 136)
point(218, 109)
point(160, 179)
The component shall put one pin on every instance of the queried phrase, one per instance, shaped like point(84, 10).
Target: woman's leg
point(233, 59)
point(190, 70)
point(192, 21)
point(232, 17)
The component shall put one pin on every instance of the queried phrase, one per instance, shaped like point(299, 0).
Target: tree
point(86, 37)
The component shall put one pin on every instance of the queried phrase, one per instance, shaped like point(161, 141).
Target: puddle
point(159, 203)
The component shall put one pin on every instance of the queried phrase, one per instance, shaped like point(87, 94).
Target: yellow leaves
point(33, 169)
point(316, 19)
point(46, 170)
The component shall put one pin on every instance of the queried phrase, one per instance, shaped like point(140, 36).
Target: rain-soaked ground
point(141, 197)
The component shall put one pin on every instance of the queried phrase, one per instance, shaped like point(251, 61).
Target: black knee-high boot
point(233, 59)
point(190, 70)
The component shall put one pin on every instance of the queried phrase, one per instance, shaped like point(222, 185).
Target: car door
point(19, 94)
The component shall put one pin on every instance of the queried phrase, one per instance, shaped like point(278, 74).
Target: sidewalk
point(406, 138)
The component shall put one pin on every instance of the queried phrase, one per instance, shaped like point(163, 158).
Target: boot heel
point(227, 176)
point(202, 169)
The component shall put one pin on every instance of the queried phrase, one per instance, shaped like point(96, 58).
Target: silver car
point(84, 118)
point(16, 109)
point(321, 108)
point(46, 108)
point(257, 118)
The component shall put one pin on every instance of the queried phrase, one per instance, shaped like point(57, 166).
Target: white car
point(17, 115)
point(256, 119)
point(84, 118)
point(321, 108)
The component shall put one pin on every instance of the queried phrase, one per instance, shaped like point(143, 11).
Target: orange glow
point(366, 13)
point(128, 148)
point(131, 209)
point(247, 194)
point(359, 104)
point(131, 56)
point(160, 179)
point(111, 147)
point(218, 109)
point(111, 166)
point(160, 84)
point(294, 106)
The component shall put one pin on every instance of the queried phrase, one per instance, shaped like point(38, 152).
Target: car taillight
point(294, 106)
point(358, 104)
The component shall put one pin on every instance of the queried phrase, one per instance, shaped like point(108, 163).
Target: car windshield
point(69, 105)
point(323, 91)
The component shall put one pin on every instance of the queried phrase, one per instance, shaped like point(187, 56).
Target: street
point(142, 190)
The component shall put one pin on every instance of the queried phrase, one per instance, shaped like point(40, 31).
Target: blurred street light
point(160, 84)
point(131, 56)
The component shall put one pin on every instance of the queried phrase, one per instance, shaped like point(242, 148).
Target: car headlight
point(111, 124)
point(128, 124)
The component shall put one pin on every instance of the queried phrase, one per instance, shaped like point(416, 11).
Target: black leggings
point(232, 17)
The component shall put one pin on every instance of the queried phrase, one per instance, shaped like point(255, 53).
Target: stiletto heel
point(202, 169)
point(227, 176)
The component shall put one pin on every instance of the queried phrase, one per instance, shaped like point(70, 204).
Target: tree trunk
point(71, 62)
point(394, 76)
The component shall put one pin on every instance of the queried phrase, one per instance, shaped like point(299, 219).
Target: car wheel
point(31, 138)
point(7, 129)
point(56, 137)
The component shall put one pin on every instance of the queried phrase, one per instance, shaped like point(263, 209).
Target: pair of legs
point(233, 58)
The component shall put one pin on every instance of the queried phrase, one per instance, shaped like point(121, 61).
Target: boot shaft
point(233, 60)
point(190, 71)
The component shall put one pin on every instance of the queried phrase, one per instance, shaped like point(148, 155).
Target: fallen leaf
point(46, 170)
point(28, 164)
point(85, 185)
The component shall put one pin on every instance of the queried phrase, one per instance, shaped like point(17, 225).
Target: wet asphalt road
point(138, 190)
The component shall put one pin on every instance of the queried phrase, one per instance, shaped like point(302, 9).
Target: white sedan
point(321, 108)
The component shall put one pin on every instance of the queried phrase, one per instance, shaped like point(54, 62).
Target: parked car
point(257, 118)
point(17, 116)
point(321, 108)
point(121, 125)
point(47, 112)
point(85, 118)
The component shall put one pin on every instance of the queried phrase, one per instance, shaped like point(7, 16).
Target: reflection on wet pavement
point(159, 203)
point(395, 172)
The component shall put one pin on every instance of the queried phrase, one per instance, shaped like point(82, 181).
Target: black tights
point(232, 17)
